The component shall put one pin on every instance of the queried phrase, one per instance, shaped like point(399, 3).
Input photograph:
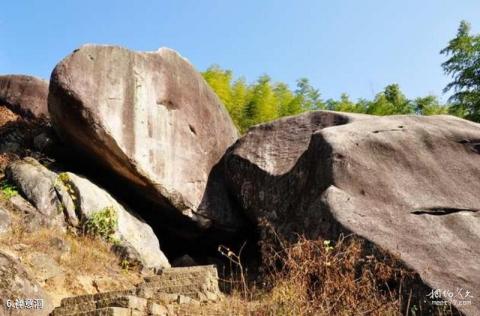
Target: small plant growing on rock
point(8, 190)
point(125, 264)
point(102, 223)
point(64, 179)
point(327, 245)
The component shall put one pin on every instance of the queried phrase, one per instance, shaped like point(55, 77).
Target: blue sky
point(352, 46)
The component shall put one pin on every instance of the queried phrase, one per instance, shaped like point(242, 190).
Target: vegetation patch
point(7, 189)
point(102, 223)
point(347, 276)
point(265, 99)
point(64, 179)
point(84, 257)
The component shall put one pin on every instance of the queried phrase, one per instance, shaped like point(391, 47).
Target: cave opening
point(178, 235)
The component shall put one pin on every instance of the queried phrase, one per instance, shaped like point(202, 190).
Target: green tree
point(463, 65)
point(262, 105)
point(390, 101)
point(239, 98)
point(347, 105)
point(429, 105)
point(264, 100)
point(220, 81)
point(308, 97)
point(342, 105)
point(288, 103)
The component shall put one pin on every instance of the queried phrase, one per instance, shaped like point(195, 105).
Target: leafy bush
point(102, 223)
point(8, 190)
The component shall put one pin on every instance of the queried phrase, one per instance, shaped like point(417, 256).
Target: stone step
point(74, 308)
point(182, 286)
point(196, 278)
point(132, 302)
point(172, 277)
point(180, 281)
point(185, 271)
point(96, 297)
point(160, 295)
point(178, 284)
point(150, 292)
point(111, 311)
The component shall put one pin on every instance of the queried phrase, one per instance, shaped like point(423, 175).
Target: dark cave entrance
point(178, 236)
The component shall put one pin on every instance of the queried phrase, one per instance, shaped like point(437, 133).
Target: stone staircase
point(159, 295)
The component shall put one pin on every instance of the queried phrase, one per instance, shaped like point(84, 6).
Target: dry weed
point(348, 276)
point(85, 257)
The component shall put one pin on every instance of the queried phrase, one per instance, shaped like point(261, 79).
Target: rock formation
point(151, 118)
point(25, 95)
point(18, 287)
point(135, 238)
point(5, 221)
point(408, 184)
point(37, 184)
point(67, 198)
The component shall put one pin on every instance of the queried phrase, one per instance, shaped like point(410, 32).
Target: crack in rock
point(389, 130)
point(474, 144)
point(442, 210)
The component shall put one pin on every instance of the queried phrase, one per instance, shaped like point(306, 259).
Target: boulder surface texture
point(409, 184)
point(148, 116)
point(25, 95)
point(69, 199)
point(18, 287)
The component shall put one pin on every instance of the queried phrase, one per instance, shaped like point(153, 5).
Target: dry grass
point(7, 116)
point(326, 278)
point(348, 276)
point(15, 129)
point(6, 159)
point(86, 254)
point(87, 263)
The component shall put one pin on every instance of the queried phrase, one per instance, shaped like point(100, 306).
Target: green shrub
point(102, 223)
point(8, 190)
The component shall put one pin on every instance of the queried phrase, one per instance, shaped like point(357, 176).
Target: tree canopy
point(463, 65)
point(265, 100)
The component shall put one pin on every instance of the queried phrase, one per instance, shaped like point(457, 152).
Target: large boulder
point(68, 199)
point(267, 168)
point(408, 184)
point(5, 221)
point(25, 95)
point(136, 238)
point(151, 118)
point(38, 185)
point(20, 294)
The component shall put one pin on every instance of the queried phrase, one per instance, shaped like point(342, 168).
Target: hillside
point(127, 189)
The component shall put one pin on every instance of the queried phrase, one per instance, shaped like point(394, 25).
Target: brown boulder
point(267, 168)
point(25, 95)
point(20, 294)
point(408, 184)
point(148, 116)
point(67, 198)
